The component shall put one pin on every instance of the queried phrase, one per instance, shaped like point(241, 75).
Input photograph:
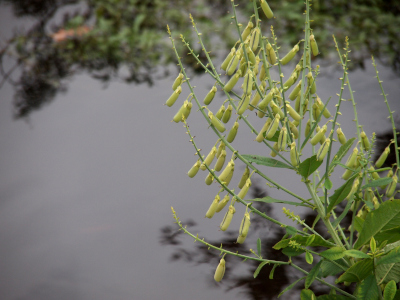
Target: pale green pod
point(314, 46)
point(273, 127)
point(220, 148)
point(220, 161)
point(178, 116)
point(241, 239)
point(263, 73)
point(365, 142)
point(256, 99)
point(295, 123)
point(260, 136)
point(346, 175)
point(229, 177)
point(220, 271)
point(245, 225)
point(275, 147)
point(226, 172)
point(267, 99)
point(256, 66)
point(382, 158)
point(352, 160)
point(247, 30)
point(271, 55)
point(250, 55)
point(186, 111)
point(295, 91)
point(209, 179)
point(178, 81)
point(374, 175)
point(232, 81)
point(209, 158)
point(266, 9)
point(245, 189)
point(227, 114)
point(228, 218)
point(298, 103)
point(389, 174)
point(341, 137)
point(316, 111)
point(244, 178)
point(230, 69)
point(391, 187)
point(243, 66)
point(222, 203)
point(323, 150)
point(193, 170)
point(293, 113)
point(225, 63)
point(213, 207)
point(210, 95)
point(318, 136)
point(308, 129)
point(243, 104)
point(216, 122)
point(291, 80)
point(288, 57)
point(294, 130)
point(325, 111)
point(220, 112)
point(294, 157)
point(311, 83)
point(282, 139)
point(172, 99)
point(277, 110)
point(232, 133)
point(247, 83)
point(254, 39)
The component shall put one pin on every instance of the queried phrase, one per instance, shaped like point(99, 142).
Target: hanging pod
point(277, 110)
point(216, 122)
point(314, 46)
point(220, 148)
point(220, 161)
point(245, 189)
point(256, 98)
point(315, 111)
point(295, 91)
point(392, 186)
point(341, 137)
point(247, 83)
point(318, 136)
point(382, 158)
point(266, 9)
point(374, 175)
point(321, 105)
point(282, 139)
point(288, 57)
point(178, 81)
point(220, 271)
point(291, 80)
point(226, 172)
point(222, 203)
point(227, 218)
point(226, 61)
point(209, 179)
point(273, 127)
point(227, 114)
point(232, 133)
point(220, 112)
point(244, 228)
point(256, 66)
point(193, 170)
point(183, 112)
point(250, 55)
point(351, 162)
point(209, 158)
point(230, 69)
point(254, 39)
point(323, 150)
point(308, 129)
point(243, 104)
point(271, 55)
point(276, 148)
point(388, 175)
point(260, 136)
point(232, 81)
point(365, 142)
point(213, 207)
point(247, 30)
point(293, 129)
point(267, 99)
point(263, 73)
point(171, 100)
point(294, 157)
point(311, 83)
point(244, 178)
point(210, 95)
point(293, 113)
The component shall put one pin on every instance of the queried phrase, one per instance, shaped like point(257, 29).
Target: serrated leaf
point(378, 182)
point(271, 274)
point(313, 274)
point(368, 289)
point(390, 258)
point(386, 217)
point(260, 266)
point(272, 200)
point(259, 246)
point(308, 166)
point(387, 272)
point(265, 161)
point(309, 258)
point(333, 253)
point(289, 251)
point(390, 290)
point(289, 287)
point(356, 253)
point(341, 193)
point(307, 294)
point(357, 272)
point(328, 184)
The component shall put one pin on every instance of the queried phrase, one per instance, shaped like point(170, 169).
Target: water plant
point(367, 254)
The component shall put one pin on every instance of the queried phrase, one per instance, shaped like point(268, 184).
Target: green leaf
point(272, 200)
point(390, 258)
point(386, 217)
point(358, 223)
point(343, 214)
point(356, 253)
point(368, 289)
point(333, 253)
point(341, 193)
point(271, 274)
point(274, 138)
point(330, 269)
point(313, 274)
point(343, 150)
point(290, 230)
point(390, 290)
point(289, 251)
point(357, 272)
point(307, 294)
point(316, 240)
point(333, 297)
point(309, 258)
point(281, 244)
point(378, 182)
point(259, 246)
point(328, 184)
point(307, 167)
point(387, 272)
point(390, 236)
point(260, 266)
point(288, 288)
point(266, 161)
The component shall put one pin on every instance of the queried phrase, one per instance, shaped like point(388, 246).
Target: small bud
point(314, 46)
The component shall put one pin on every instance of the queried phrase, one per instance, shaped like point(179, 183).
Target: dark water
point(87, 184)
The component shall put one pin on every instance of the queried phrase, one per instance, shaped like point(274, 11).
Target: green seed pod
point(323, 150)
point(245, 225)
point(228, 59)
point(267, 99)
point(244, 178)
point(374, 175)
point(228, 218)
point(391, 187)
point(209, 179)
point(227, 114)
point(220, 161)
point(351, 162)
point(316, 111)
point(209, 158)
point(311, 83)
point(260, 136)
point(232, 133)
point(266, 9)
point(256, 99)
point(282, 139)
point(277, 110)
point(220, 112)
point(216, 122)
point(241, 239)
point(389, 174)
point(293, 113)
point(254, 39)
point(244, 104)
point(178, 116)
point(232, 82)
point(245, 189)
point(308, 129)
point(247, 83)
point(213, 207)
point(325, 111)
point(220, 148)
point(288, 57)
point(365, 142)
point(178, 81)
point(294, 157)
point(314, 46)
point(193, 170)
point(230, 69)
point(273, 127)
point(275, 147)
point(220, 271)
point(368, 195)
point(375, 202)
point(317, 137)
point(229, 177)
point(222, 203)
point(226, 172)
point(293, 129)
point(263, 73)
point(271, 55)
point(243, 66)
point(256, 66)
point(288, 83)
point(341, 137)
point(381, 160)
point(210, 95)
point(187, 110)
point(171, 100)
point(295, 91)
point(247, 30)
point(250, 55)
